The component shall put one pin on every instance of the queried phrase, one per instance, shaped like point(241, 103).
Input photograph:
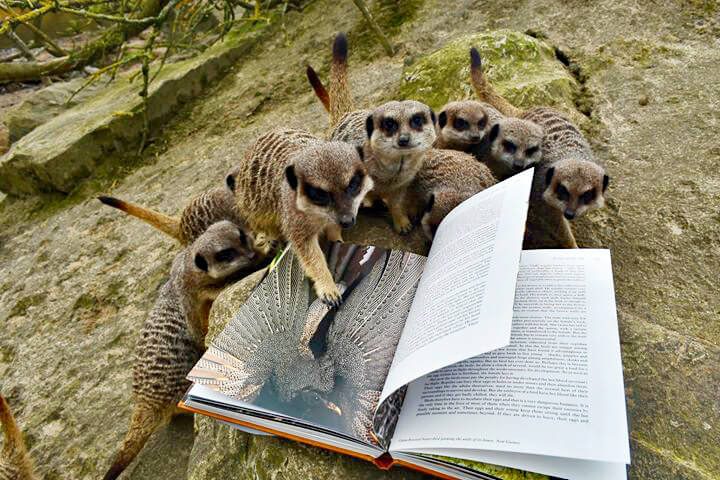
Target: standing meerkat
point(294, 187)
point(568, 181)
point(172, 338)
point(514, 144)
point(448, 179)
point(395, 137)
point(15, 463)
point(465, 125)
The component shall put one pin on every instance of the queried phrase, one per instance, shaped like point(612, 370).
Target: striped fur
point(15, 463)
point(172, 339)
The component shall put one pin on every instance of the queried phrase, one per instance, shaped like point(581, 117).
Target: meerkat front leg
point(565, 235)
point(315, 266)
point(400, 218)
point(333, 232)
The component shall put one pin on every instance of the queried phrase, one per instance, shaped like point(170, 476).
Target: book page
point(463, 304)
point(556, 390)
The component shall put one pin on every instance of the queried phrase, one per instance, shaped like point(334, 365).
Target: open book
point(478, 353)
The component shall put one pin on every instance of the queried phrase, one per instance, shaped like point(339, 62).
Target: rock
point(67, 148)
point(523, 69)
point(43, 105)
point(4, 138)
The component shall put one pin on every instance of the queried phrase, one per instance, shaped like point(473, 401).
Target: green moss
point(25, 303)
point(494, 470)
point(390, 16)
point(523, 69)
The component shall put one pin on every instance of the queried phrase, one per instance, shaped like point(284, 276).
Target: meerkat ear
point(432, 117)
point(369, 125)
point(201, 263)
point(291, 177)
point(606, 182)
point(442, 119)
point(494, 132)
point(549, 175)
point(361, 152)
point(230, 181)
point(430, 202)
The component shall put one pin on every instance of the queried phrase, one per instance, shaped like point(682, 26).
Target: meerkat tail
point(319, 88)
point(340, 96)
point(162, 222)
point(145, 420)
point(484, 90)
point(14, 447)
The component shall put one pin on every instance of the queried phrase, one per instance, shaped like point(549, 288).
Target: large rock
point(43, 105)
point(523, 69)
point(67, 148)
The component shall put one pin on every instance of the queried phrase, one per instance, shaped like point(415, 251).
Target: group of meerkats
point(292, 187)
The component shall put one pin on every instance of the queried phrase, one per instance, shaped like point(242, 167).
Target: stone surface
point(76, 278)
point(523, 69)
point(45, 104)
point(68, 147)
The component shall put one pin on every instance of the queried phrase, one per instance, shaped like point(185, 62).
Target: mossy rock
point(521, 68)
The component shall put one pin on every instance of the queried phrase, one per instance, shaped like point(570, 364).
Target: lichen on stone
point(521, 68)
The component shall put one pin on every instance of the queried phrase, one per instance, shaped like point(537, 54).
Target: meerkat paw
point(403, 225)
point(367, 202)
point(264, 244)
point(329, 295)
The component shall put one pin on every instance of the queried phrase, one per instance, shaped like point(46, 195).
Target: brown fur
point(568, 181)
point(514, 144)
point(172, 338)
point(278, 186)
point(447, 179)
point(318, 87)
point(15, 463)
point(465, 125)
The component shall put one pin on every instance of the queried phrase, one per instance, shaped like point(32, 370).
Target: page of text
point(555, 390)
point(463, 304)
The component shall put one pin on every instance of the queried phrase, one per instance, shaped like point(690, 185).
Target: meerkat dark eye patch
point(562, 193)
point(417, 121)
point(442, 119)
point(588, 196)
point(201, 263)
point(291, 177)
point(226, 255)
point(494, 132)
point(389, 126)
point(369, 125)
point(432, 117)
point(549, 175)
point(509, 146)
point(430, 203)
point(230, 181)
point(354, 185)
point(317, 195)
point(482, 123)
point(361, 152)
point(460, 124)
point(532, 151)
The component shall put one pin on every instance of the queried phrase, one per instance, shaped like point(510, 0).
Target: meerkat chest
point(391, 174)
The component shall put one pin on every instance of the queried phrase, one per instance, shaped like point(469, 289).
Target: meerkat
point(294, 187)
point(172, 338)
point(205, 209)
point(568, 181)
point(513, 145)
point(446, 180)
point(15, 463)
point(395, 137)
point(465, 125)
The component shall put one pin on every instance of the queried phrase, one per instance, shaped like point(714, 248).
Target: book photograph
point(368, 239)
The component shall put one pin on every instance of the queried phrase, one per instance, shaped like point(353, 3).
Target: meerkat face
point(516, 143)
point(462, 124)
point(223, 250)
point(575, 186)
point(399, 129)
point(329, 182)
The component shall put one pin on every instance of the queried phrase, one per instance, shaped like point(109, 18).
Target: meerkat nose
point(569, 214)
point(347, 221)
point(475, 138)
point(404, 140)
point(518, 164)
